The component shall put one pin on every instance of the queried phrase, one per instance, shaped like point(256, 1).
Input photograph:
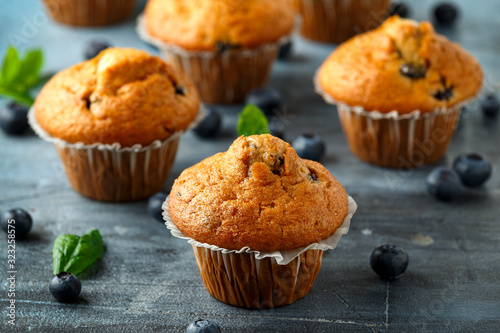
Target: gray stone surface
point(148, 281)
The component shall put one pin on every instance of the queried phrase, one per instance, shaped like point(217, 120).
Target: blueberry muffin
point(226, 46)
point(399, 90)
point(116, 121)
point(260, 196)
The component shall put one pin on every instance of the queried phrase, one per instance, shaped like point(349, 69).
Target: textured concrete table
point(148, 281)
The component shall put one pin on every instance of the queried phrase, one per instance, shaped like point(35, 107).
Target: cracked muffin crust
point(122, 95)
point(258, 194)
point(404, 66)
point(210, 25)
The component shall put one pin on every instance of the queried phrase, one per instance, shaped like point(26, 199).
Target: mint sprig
point(75, 254)
point(18, 76)
point(252, 121)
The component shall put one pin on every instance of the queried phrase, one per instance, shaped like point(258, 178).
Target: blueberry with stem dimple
point(19, 220)
point(94, 48)
point(14, 118)
point(210, 125)
point(203, 326)
point(473, 169)
point(443, 183)
point(490, 106)
point(309, 146)
point(389, 261)
point(155, 203)
point(65, 287)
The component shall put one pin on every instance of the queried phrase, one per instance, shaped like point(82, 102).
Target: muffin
point(399, 90)
point(259, 218)
point(334, 21)
point(227, 47)
point(88, 13)
point(116, 121)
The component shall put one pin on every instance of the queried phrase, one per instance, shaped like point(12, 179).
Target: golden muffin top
point(403, 65)
point(122, 95)
point(259, 194)
point(210, 24)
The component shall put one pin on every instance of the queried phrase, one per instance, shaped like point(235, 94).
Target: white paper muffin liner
point(281, 257)
point(110, 172)
point(220, 77)
point(395, 140)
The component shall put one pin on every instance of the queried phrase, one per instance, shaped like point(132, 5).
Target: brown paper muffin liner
point(221, 77)
point(334, 21)
point(113, 173)
point(393, 140)
point(254, 279)
point(88, 13)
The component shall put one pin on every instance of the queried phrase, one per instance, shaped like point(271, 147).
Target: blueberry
point(266, 99)
point(285, 51)
point(14, 118)
point(443, 183)
point(94, 48)
point(473, 169)
point(20, 221)
point(490, 106)
point(276, 128)
point(65, 287)
point(309, 146)
point(210, 125)
point(389, 261)
point(154, 205)
point(203, 326)
point(399, 8)
point(445, 13)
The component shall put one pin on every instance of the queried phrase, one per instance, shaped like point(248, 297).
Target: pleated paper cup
point(335, 21)
point(109, 172)
point(396, 140)
point(254, 279)
point(88, 13)
point(220, 77)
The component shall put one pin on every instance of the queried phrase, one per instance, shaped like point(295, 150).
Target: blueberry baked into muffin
point(116, 120)
point(260, 196)
point(399, 90)
point(226, 46)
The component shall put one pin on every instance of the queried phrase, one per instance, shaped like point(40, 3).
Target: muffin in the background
point(399, 91)
point(334, 21)
point(116, 121)
point(87, 13)
point(227, 47)
point(259, 218)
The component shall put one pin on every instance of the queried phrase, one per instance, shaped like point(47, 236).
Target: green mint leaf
point(75, 254)
point(252, 121)
point(31, 65)
point(10, 67)
point(20, 97)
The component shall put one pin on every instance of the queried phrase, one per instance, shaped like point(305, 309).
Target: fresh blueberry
point(490, 106)
point(154, 205)
point(210, 125)
point(276, 128)
point(309, 146)
point(443, 183)
point(14, 118)
point(445, 13)
point(65, 287)
point(473, 169)
point(19, 220)
point(266, 99)
point(94, 48)
point(203, 326)
point(399, 8)
point(389, 261)
point(285, 51)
